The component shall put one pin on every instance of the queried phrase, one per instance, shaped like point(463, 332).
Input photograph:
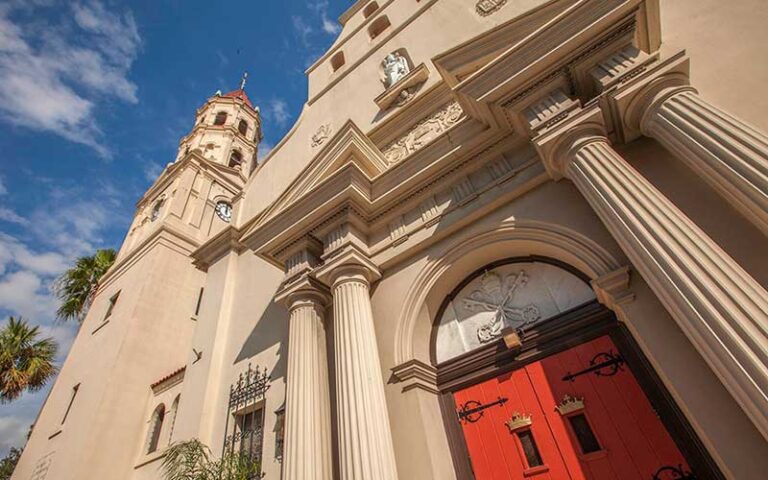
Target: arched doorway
point(538, 380)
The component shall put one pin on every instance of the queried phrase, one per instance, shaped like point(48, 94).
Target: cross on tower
point(242, 81)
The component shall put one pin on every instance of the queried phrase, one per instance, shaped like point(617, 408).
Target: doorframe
point(562, 332)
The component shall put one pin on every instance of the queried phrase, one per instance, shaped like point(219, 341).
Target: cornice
point(225, 241)
point(164, 235)
point(222, 174)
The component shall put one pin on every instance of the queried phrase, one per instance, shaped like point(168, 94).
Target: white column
point(720, 307)
point(308, 453)
point(729, 154)
point(365, 440)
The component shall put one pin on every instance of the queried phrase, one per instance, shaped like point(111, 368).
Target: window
point(242, 127)
point(370, 9)
point(111, 306)
point(337, 61)
point(584, 434)
point(279, 433)
point(156, 209)
point(199, 301)
point(530, 449)
point(235, 159)
point(174, 412)
point(378, 26)
point(155, 428)
point(71, 401)
point(249, 434)
point(221, 118)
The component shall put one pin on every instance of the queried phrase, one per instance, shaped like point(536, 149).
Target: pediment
point(465, 59)
point(350, 147)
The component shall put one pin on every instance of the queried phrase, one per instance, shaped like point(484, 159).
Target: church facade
point(505, 239)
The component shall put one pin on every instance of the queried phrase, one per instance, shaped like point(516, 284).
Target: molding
point(612, 289)
point(349, 260)
point(225, 241)
point(415, 374)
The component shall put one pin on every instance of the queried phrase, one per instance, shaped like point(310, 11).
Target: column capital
point(631, 102)
point(557, 147)
point(303, 291)
point(612, 289)
point(349, 263)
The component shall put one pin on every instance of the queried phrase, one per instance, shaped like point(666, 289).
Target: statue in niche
point(395, 67)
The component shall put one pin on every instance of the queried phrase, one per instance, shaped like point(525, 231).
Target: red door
point(579, 415)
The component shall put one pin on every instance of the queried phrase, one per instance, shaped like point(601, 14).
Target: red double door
point(579, 414)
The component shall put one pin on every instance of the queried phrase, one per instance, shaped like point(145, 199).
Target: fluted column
point(720, 307)
point(364, 436)
point(308, 452)
point(729, 154)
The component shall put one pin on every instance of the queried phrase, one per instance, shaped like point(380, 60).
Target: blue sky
point(94, 97)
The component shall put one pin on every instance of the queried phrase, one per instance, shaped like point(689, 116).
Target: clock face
point(224, 211)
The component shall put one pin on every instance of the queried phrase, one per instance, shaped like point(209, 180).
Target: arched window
point(155, 428)
point(156, 209)
point(509, 294)
point(242, 127)
point(378, 26)
point(235, 159)
point(174, 412)
point(370, 9)
point(221, 118)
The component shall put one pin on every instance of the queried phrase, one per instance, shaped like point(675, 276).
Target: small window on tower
point(156, 209)
point(378, 26)
point(235, 159)
point(242, 127)
point(337, 61)
point(111, 306)
point(221, 118)
point(155, 428)
point(370, 9)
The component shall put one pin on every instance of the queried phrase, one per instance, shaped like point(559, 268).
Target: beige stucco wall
point(152, 333)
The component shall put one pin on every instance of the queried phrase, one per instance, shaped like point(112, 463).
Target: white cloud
point(52, 78)
point(152, 170)
point(302, 29)
point(13, 432)
point(8, 215)
point(13, 251)
point(23, 293)
point(3, 189)
point(278, 111)
point(320, 7)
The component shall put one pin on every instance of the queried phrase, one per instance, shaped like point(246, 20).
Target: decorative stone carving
point(395, 67)
point(494, 295)
point(487, 7)
point(422, 133)
point(321, 135)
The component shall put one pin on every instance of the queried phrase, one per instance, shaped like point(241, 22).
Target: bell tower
point(227, 131)
point(196, 195)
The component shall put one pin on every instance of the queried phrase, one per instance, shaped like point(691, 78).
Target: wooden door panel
point(633, 443)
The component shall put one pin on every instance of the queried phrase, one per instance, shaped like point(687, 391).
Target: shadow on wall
point(270, 329)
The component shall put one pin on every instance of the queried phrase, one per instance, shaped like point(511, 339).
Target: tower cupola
point(227, 131)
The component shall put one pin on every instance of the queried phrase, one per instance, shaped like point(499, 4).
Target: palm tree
point(77, 286)
point(26, 362)
point(191, 460)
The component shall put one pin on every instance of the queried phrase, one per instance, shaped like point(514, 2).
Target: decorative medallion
point(322, 134)
point(487, 7)
point(422, 133)
point(495, 295)
point(519, 420)
point(570, 404)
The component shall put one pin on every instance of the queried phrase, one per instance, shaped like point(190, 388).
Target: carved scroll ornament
point(422, 133)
